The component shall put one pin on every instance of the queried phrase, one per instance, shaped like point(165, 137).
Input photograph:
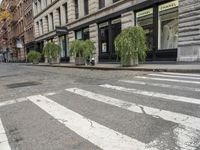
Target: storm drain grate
point(7, 76)
point(22, 84)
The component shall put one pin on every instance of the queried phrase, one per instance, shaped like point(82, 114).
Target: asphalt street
point(46, 108)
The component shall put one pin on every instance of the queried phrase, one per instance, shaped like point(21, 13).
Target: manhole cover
point(22, 84)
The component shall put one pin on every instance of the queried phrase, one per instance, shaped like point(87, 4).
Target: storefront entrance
point(108, 31)
point(63, 45)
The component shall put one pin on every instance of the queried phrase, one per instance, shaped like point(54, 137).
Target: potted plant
point(51, 52)
point(34, 56)
point(82, 51)
point(76, 50)
point(131, 45)
point(89, 50)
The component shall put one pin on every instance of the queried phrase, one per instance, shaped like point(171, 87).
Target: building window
point(86, 7)
point(66, 12)
point(168, 25)
point(114, 1)
point(145, 20)
point(76, 9)
point(41, 26)
point(59, 16)
point(47, 23)
point(52, 20)
point(101, 4)
point(83, 34)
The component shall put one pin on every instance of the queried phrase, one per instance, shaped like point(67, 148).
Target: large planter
point(54, 60)
point(131, 62)
point(79, 61)
point(35, 61)
point(46, 59)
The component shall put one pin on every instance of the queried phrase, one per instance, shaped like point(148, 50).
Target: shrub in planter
point(131, 45)
point(51, 52)
point(82, 51)
point(89, 50)
point(34, 56)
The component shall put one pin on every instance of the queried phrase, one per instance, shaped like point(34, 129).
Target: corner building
point(172, 27)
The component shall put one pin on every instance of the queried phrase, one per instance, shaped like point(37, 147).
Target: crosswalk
point(124, 115)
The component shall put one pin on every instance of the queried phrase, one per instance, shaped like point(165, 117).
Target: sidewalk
point(176, 67)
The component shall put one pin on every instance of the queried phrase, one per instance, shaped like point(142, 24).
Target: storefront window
point(168, 25)
point(83, 34)
point(62, 41)
point(145, 20)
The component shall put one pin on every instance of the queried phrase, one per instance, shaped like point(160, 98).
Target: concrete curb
point(120, 68)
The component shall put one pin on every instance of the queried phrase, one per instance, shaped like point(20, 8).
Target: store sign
point(169, 5)
point(115, 21)
point(144, 13)
point(103, 24)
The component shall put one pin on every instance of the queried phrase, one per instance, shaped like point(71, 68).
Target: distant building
point(18, 31)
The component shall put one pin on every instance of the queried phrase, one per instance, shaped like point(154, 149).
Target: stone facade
point(47, 17)
point(15, 30)
point(189, 30)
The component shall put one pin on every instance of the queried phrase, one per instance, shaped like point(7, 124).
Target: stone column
point(45, 25)
point(81, 8)
point(71, 10)
point(93, 29)
point(34, 9)
point(93, 6)
point(56, 18)
point(36, 29)
point(50, 22)
point(71, 36)
point(40, 29)
point(63, 15)
point(108, 2)
point(189, 31)
point(127, 19)
point(48, 2)
point(39, 6)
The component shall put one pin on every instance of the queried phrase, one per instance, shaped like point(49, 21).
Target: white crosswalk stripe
point(182, 119)
point(161, 85)
point(182, 74)
point(174, 76)
point(4, 145)
point(165, 79)
point(154, 94)
point(94, 132)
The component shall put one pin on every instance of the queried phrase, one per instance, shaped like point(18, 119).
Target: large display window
point(145, 20)
point(168, 25)
point(62, 43)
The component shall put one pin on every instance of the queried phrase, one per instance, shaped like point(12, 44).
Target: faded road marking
point(154, 94)
point(4, 145)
